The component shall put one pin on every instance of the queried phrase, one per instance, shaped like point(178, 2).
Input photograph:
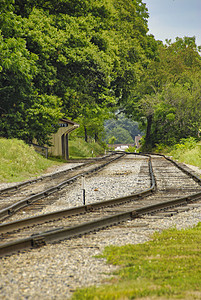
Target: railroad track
point(14, 198)
point(175, 187)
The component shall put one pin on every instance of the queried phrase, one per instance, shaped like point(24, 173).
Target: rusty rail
point(66, 233)
point(10, 210)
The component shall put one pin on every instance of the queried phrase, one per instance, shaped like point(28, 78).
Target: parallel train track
point(174, 186)
point(16, 197)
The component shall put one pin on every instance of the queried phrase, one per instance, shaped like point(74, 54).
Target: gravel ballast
point(55, 271)
point(118, 179)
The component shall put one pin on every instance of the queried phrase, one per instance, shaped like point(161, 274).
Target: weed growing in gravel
point(167, 267)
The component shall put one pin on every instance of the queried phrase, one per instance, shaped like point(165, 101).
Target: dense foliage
point(121, 130)
point(168, 98)
point(84, 60)
point(67, 58)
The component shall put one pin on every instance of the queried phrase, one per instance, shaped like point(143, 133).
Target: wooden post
point(67, 150)
point(83, 189)
point(63, 146)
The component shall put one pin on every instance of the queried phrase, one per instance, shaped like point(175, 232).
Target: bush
point(188, 151)
point(132, 149)
point(186, 144)
point(161, 148)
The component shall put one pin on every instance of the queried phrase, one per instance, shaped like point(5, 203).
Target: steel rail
point(56, 174)
point(193, 176)
point(62, 233)
point(10, 210)
point(15, 225)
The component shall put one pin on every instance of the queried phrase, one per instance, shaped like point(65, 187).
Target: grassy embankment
point(78, 148)
point(167, 267)
point(19, 161)
point(190, 156)
point(187, 151)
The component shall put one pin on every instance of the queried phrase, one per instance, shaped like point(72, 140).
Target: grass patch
point(167, 267)
point(78, 148)
point(188, 156)
point(19, 161)
point(187, 151)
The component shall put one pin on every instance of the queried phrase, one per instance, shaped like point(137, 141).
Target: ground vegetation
point(20, 161)
point(186, 151)
point(167, 267)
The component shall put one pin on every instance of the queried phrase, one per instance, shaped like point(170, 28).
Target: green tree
point(112, 140)
point(176, 72)
point(27, 112)
point(121, 121)
point(121, 135)
point(74, 58)
point(177, 115)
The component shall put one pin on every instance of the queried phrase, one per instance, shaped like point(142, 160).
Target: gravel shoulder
point(194, 168)
point(56, 270)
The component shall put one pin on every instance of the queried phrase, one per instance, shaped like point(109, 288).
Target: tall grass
point(187, 151)
point(19, 161)
point(78, 148)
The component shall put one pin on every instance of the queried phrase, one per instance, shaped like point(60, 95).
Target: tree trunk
point(148, 140)
point(85, 134)
point(96, 137)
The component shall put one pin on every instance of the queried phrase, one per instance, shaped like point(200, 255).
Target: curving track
point(174, 187)
point(19, 196)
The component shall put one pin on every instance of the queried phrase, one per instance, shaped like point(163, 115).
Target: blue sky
point(172, 18)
